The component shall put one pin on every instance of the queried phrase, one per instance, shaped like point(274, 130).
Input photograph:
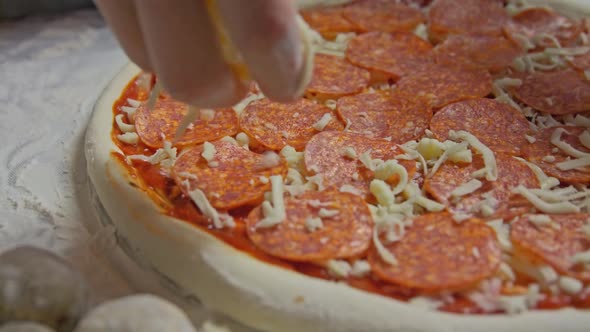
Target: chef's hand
point(176, 40)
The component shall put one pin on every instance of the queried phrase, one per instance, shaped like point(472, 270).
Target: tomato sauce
point(177, 205)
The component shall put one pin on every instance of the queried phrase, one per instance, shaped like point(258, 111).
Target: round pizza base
point(253, 292)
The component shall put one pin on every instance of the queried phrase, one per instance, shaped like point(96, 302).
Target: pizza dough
point(256, 293)
point(136, 313)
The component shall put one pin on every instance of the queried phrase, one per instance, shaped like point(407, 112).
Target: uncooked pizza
point(433, 177)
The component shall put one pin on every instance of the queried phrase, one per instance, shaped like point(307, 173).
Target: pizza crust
point(253, 292)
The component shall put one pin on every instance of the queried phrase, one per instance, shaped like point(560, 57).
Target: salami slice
point(274, 125)
point(480, 17)
point(389, 56)
point(383, 15)
point(158, 125)
point(494, 53)
point(334, 77)
point(497, 125)
point(582, 62)
point(383, 114)
point(346, 233)
point(328, 21)
point(543, 24)
point(442, 86)
point(538, 90)
point(436, 253)
point(556, 243)
point(547, 156)
point(324, 155)
point(493, 199)
point(231, 179)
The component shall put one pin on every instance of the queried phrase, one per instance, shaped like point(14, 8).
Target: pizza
point(433, 177)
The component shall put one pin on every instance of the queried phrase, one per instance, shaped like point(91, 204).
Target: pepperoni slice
point(494, 53)
point(540, 91)
point(478, 17)
point(274, 125)
point(495, 124)
point(436, 253)
point(442, 86)
point(383, 15)
point(236, 179)
point(389, 56)
point(345, 234)
point(539, 22)
point(328, 21)
point(335, 77)
point(554, 244)
point(383, 114)
point(511, 173)
point(546, 155)
point(582, 62)
point(324, 155)
point(158, 125)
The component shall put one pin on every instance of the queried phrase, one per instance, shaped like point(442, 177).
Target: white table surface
point(51, 70)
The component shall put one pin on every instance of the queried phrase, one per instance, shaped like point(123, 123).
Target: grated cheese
point(581, 258)
point(239, 107)
point(380, 189)
point(507, 272)
point(570, 285)
point(243, 140)
point(199, 198)
point(389, 168)
point(564, 146)
point(209, 151)
point(313, 224)
point(540, 220)
point(490, 169)
point(331, 104)
point(274, 213)
point(133, 102)
point(130, 111)
point(165, 156)
point(124, 127)
point(325, 213)
point(530, 139)
point(545, 181)
point(349, 152)
point(502, 234)
point(360, 268)
point(385, 255)
point(229, 139)
point(430, 148)
point(346, 188)
point(546, 207)
point(269, 160)
point(467, 188)
point(574, 164)
point(128, 138)
point(323, 122)
point(338, 268)
point(294, 158)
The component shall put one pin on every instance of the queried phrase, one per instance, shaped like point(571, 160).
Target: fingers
point(266, 33)
point(184, 51)
point(176, 39)
point(122, 17)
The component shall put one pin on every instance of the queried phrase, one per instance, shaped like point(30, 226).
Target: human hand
point(177, 40)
